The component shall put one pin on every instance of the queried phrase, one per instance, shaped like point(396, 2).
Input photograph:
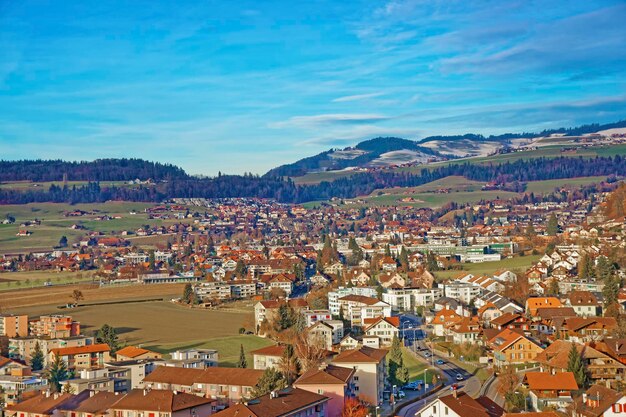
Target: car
point(427, 354)
point(413, 386)
point(440, 362)
point(400, 394)
point(459, 377)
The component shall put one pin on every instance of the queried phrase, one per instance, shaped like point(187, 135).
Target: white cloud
point(357, 97)
point(328, 119)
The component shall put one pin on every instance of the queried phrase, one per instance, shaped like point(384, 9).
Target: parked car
point(440, 362)
point(413, 386)
point(400, 395)
point(427, 354)
point(459, 377)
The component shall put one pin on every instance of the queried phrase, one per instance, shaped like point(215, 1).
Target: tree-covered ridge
point(372, 149)
point(511, 175)
point(99, 170)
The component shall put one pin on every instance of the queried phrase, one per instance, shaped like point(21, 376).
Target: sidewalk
point(411, 397)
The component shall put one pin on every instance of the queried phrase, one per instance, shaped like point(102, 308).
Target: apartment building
point(357, 308)
point(13, 325)
point(55, 326)
point(334, 296)
point(370, 371)
point(82, 357)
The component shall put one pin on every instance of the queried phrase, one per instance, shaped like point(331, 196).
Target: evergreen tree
point(552, 227)
point(577, 367)
point(243, 363)
point(284, 317)
point(107, 334)
point(187, 294)
point(56, 373)
point(398, 374)
point(289, 365)
point(151, 260)
point(604, 268)
point(270, 380)
point(240, 269)
point(611, 290)
point(404, 259)
point(585, 267)
point(37, 358)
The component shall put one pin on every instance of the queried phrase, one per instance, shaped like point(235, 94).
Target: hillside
point(391, 151)
point(377, 152)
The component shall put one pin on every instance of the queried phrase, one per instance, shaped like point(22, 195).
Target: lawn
point(164, 326)
point(29, 185)
point(30, 279)
point(432, 200)
point(54, 224)
point(520, 263)
point(416, 367)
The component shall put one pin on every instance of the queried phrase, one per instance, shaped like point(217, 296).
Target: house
point(510, 346)
point(194, 358)
point(44, 404)
point(358, 276)
point(385, 328)
point(510, 321)
point(161, 403)
point(599, 401)
point(313, 316)
point(135, 353)
point(585, 303)
point(82, 357)
point(357, 308)
point(442, 319)
point(535, 303)
point(465, 330)
point(459, 404)
point(226, 385)
point(267, 357)
point(615, 348)
point(11, 367)
point(370, 371)
point(321, 333)
point(334, 382)
point(290, 402)
point(390, 279)
point(267, 310)
point(601, 368)
point(97, 405)
point(587, 329)
point(550, 390)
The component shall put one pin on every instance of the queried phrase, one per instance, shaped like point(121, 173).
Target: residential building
point(510, 347)
point(548, 390)
point(370, 371)
point(45, 404)
point(13, 325)
point(135, 353)
point(599, 401)
point(161, 403)
point(334, 296)
point(82, 357)
point(267, 357)
point(334, 382)
point(290, 402)
point(585, 303)
point(194, 358)
point(385, 328)
point(97, 405)
point(267, 310)
point(459, 404)
point(55, 326)
point(22, 348)
point(357, 308)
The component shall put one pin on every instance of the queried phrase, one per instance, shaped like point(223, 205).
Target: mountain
point(375, 152)
point(389, 151)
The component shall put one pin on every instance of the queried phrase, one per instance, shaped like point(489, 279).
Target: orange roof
point(445, 316)
point(79, 350)
point(132, 351)
point(547, 381)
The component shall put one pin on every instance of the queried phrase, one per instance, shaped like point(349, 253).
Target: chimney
point(454, 393)
point(145, 392)
point(585, 398)
point(47, 393)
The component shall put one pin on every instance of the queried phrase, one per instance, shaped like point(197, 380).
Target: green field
point(432, 200)
point(547, 186)
point(520, 263)
point(30, 279)
point(165, 326)
point(416, 367)
point(54, 224)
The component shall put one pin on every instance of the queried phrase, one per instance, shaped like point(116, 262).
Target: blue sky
point(243, 86)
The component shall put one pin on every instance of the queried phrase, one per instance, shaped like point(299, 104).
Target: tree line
point(509, 175)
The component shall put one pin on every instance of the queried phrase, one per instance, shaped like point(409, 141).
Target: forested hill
point(507, 176)
point(98, 170)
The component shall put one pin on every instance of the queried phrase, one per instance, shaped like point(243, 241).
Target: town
point(360, 310)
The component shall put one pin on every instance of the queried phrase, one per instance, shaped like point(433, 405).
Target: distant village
point(341, 291)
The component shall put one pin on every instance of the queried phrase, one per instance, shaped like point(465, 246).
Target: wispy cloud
point(329, 120)
point(357, 97)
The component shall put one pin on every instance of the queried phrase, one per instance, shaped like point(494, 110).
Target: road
point(414, 340)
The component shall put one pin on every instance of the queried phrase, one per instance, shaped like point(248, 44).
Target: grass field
point(416, 367)
point(54, 224)
point(31, 279)
point(547, 186)
point(32, 299)
point(520, 263)
point(164, 326)
point(432, 200)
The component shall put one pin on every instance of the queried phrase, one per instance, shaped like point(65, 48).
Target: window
point(434, 409)
point(356, 378)
point(233, 389)
point(446, 410)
